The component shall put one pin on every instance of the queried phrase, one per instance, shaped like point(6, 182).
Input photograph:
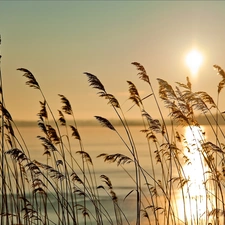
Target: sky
point(60, 40)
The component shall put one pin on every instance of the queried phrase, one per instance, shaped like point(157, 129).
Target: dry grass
point(166, 191)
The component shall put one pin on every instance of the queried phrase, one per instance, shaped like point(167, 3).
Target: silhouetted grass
point(166, 192)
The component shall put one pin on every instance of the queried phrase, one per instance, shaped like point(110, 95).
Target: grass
point(183, 183)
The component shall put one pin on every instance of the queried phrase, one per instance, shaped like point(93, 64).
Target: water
point(97, 140)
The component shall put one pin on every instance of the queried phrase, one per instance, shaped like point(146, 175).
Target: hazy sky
point(58, 41)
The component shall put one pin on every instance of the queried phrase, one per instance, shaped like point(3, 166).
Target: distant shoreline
point(132, 122)
point(89, 122)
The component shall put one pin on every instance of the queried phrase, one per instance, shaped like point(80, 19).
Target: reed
point(182, 184)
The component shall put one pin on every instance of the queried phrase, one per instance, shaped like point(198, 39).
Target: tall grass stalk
point(4, 200)
point(65, 183)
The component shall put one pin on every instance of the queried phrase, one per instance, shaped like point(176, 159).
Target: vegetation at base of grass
point(65, 184)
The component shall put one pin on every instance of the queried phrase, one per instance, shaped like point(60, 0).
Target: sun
point(194, 60)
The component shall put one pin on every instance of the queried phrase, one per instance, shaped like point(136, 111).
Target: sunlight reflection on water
point(196, 197)
point(194, 202)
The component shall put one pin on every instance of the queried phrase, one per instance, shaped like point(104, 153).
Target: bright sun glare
point(195, 172)
point(194, 60)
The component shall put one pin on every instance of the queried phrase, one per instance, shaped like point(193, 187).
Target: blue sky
point(59, 40)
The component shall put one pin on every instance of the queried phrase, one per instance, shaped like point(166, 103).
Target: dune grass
point(183, 184)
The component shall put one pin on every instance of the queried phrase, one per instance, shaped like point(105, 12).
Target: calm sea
point(97, 140)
